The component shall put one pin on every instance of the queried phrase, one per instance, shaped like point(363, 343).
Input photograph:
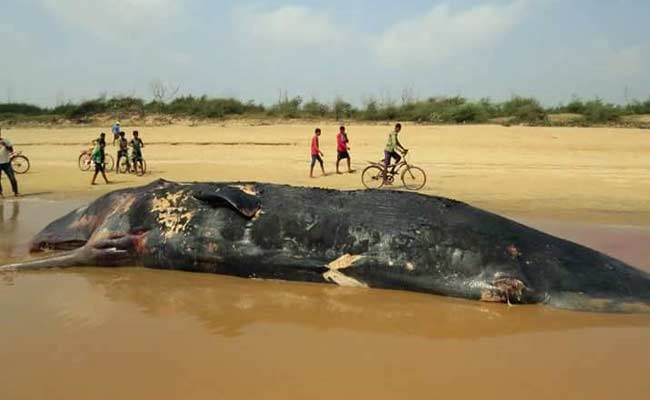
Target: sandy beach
point(203, 336)
point(596, 175)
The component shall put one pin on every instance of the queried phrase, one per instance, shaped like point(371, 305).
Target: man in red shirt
point(342, 149)
point(316, 153)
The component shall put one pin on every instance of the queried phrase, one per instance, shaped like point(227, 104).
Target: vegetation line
point(451, 110)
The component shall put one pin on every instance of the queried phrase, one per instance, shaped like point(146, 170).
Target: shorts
point(342, 154)
point(99, 167)
point(314, 158)
point(122, 153)
point(136, 156)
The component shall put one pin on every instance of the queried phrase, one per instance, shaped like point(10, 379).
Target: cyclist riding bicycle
point(390, 151)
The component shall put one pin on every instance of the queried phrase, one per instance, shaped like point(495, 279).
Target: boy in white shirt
point(5, 164)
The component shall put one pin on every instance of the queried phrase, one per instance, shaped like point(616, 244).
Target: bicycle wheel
point(84, 161)
point(109, 162)
point(413, 178)
point(123, 167)
point(20, 164)
point(373, 177)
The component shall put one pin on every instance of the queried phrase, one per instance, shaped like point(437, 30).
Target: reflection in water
point(8, 225)
point(140, 333)
point(227, 306)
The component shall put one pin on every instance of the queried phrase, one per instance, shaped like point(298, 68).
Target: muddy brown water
point(135, 333)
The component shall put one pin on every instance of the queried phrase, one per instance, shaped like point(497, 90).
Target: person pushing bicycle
point(390, 151)
point(6, 149)
point(136, 152)
point(123, 151)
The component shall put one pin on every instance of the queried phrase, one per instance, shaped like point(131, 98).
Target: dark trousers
point(6, 168)
point(387, 156)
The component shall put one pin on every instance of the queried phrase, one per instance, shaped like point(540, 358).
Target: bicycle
point(85, 161)
point(374, 176)
point(19, 162)
point(127, 164)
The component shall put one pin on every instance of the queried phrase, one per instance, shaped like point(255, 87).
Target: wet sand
point(102, 333)
point(97, 333)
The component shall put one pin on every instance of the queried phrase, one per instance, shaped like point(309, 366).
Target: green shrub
point(313, 108)
point(87, 109)
point(21, 109)
point(286, 108)
point(524, 109)
point(371, 111)
point(637, 107)
point(343, 109)
point(597, 111)
point(464, 113)
point(576, 106)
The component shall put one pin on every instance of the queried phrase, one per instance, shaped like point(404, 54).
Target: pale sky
point(59, 50)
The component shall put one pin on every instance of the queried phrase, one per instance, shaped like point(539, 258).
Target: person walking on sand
point(390, 151)
point(316, 154)
point(5, 165)
point(98, 157)
point(116, 129)
point(342, 149)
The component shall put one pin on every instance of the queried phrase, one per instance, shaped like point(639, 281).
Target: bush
point(436, 109)
point(343, 109)
point(576, 106)
point(597, 111)
point(468, 112)
point(87, 108)
point(286, 108)
point(315, 109)
point(371, 111)
point(524, 109)
point(21, 109)
point(637, 107)
point(126, 105)
point(203, 107)
point(63, 109)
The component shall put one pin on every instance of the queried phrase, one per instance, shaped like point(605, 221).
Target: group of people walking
point(98, 155)
point(343, 150)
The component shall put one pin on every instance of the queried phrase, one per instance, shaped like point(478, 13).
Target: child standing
point(136, 152)
point(316, 153)
point(123, 152)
